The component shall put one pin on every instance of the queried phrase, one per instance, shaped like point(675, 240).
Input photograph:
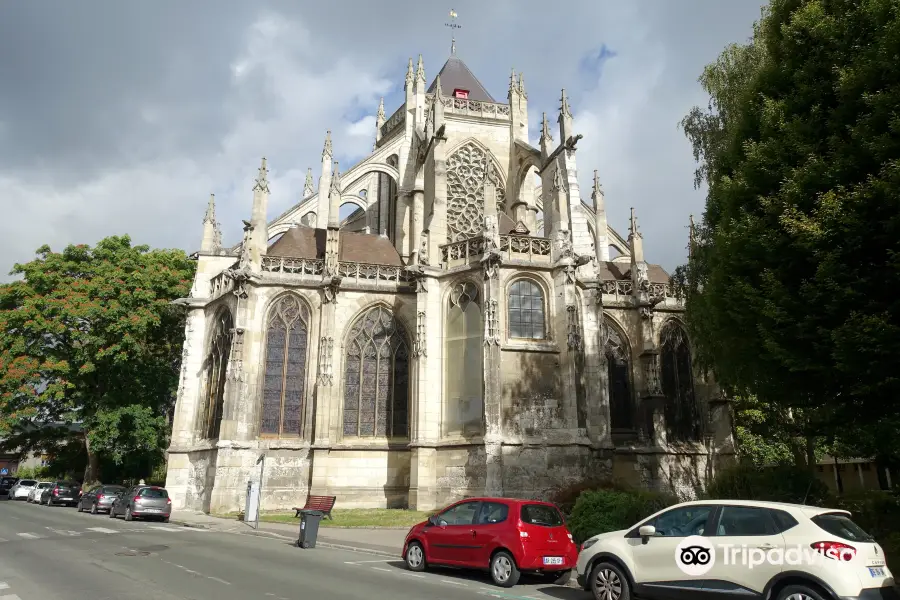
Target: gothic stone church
point(474, 327)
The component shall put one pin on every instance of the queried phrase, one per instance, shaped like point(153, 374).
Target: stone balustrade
point(522, 248)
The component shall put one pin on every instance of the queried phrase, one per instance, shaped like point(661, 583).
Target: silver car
point(21, 490)
point(35, 495)
point(99, 498)
point(142, 502)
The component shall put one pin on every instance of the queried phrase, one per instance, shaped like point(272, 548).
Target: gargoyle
point(570, 143)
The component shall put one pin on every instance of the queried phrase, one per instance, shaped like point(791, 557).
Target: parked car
point(6, 484)
point(99, 498)
point(36, 491)
point(61, 492)
point(501, 535)
point(142, 501)
point(658, 558)
point(21, 489)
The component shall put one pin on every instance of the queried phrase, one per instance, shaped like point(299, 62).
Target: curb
point(187, 524)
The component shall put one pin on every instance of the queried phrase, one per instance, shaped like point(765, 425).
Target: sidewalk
point(387, 541)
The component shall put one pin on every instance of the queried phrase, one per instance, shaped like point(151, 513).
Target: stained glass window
point(526, 310)
point(681, 411)
point(465, 191)
point(216, 366)
point(284, 379)
point(618, 365)
point(464, 357)
point(376, 377)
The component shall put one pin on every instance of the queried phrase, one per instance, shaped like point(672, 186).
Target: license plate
point(151, 510)
point(66, 499)
point(876, 571)
point(553, 560)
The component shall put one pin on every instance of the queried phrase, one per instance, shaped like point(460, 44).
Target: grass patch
point(351, 517)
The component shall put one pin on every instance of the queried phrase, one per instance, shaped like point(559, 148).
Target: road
point(55, 552)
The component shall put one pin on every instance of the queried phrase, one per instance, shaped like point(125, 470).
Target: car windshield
point(8, 480)
point(154, 493)
point(66, 484)
point(541, 514)
point(112, 489)
point(842, 526)
point(44, 484)
point(27, 482)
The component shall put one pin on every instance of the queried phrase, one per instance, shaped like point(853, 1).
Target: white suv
point(737, 549)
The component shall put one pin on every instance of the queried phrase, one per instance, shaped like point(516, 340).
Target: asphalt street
point(55, 552)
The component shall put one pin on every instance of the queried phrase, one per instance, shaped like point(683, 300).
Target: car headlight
point(588, 544)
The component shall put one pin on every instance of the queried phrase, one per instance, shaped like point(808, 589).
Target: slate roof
point(456, 75)
point(613, 270)
point(306, 242)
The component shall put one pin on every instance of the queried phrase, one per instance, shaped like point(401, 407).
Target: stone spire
point(208, 245)
point(334, 196)
point(420, 73)
point(546, 138)
point(308, 185)
point(379, 121)
point(635, 240)
point(410, 76)
point(601, 243)
point(692, 236)
point(259, 234)
point(453, 46)
point(522, 85)
point(324, 184)
point(565, 119)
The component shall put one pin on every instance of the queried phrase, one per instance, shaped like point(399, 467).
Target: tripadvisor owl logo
point(695, 556)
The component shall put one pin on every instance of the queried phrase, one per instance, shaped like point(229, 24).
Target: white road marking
point(64, 532)
point(360, 562)
point(102, 530)
point(381, 569)
point(414, 574)
point(217, 579)
point(4, 585)
point(450, 581)
point(3, 540)
point(10, 597)
point(30, 536)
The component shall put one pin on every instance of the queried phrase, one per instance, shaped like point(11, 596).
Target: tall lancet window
point(284, 382)
point(682, 412)
point(216, 370)
point(526, 311)
point(465, 191)
point(376, 377)
point(618, 370)
point(464, 390)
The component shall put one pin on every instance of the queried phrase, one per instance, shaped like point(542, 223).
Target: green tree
point(791, 280)
point(89, 335)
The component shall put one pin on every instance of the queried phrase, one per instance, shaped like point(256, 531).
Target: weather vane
point(453, 25)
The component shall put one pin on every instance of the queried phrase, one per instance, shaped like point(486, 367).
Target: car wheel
point(503, 569)
point(79, 507)
point(799, 592)
point(112, 513)
point(561, 578)
point(128, 515)
point(165, 519)
point(608, 582)
point(93, 509)
point(415, 557)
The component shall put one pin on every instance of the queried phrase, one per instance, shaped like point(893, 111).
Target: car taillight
point(168, 501)
point(55, 492)
point(100, 496)
point(137, 498)
point(835, 550)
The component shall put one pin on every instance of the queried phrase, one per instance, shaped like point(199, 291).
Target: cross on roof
point(453, 25)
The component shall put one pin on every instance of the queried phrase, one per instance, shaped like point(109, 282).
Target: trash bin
point(309, 528)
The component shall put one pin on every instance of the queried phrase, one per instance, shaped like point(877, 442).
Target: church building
point(474, 327)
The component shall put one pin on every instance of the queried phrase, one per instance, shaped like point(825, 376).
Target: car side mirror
point(646, 532)
point(433, 521)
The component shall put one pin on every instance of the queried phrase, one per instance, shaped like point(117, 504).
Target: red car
point(502, 535)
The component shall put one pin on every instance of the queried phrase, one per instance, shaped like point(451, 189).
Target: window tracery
point(525, 309)
point(682, 413)
point(376, 377)
point(216, 367)
point(465, 191)
point(618, 365)
point(284, 380)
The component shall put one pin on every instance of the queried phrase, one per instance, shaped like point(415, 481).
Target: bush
point(601, 511)
point(39, 473)
point(565, 497)
point(774, 484)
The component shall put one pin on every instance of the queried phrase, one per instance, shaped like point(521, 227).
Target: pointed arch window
point(676, 372)
point(216, 369)
point(526, 311)
point(376, 377)
point(618, 369)
point(465, 191)
point(464, 395)
point(284, 381)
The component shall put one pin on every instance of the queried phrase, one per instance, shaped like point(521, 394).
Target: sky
point(122, 117)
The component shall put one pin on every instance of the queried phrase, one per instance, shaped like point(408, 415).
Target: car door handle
point(766, 547)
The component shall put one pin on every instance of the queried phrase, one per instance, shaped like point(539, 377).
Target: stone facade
point(464, 332)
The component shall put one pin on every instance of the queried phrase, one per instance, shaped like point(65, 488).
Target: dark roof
point(456, 75)
point(620, 270)
point(306, 242)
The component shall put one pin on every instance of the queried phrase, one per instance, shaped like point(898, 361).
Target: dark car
point(99, 498)
point(6, 484)
point(61, 492)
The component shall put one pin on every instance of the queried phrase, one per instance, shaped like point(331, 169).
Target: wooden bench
point(320, 503)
